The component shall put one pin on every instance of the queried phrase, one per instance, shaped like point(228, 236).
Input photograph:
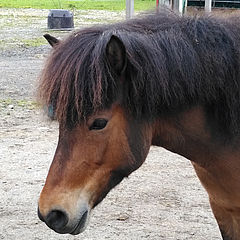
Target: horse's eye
point(98, 124)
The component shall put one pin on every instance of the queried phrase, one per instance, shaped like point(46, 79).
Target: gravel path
point(162, 200)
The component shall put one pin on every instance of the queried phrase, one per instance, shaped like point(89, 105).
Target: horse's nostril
point(56, 220)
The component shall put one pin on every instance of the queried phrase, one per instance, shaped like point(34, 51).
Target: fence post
point(178, 6)
point(208, 5)
point(129, 8)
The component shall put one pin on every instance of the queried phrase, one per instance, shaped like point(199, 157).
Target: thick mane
point(173, 63)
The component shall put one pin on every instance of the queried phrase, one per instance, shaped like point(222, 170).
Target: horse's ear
point(51, 40)
point(116, 54)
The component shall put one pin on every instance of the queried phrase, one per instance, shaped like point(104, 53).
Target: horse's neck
point(216, 163)
point(186, 134)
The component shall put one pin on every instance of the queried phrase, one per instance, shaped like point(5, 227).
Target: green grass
point(35, 42)
point(4, 103)
point(19, 42)
point(77, 4)
point(28, 104)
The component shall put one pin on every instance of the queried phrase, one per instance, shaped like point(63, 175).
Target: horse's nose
point(56, 220)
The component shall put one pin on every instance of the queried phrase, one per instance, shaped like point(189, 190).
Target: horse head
point(93, 156)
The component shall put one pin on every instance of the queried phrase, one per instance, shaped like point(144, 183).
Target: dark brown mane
point(172, 63)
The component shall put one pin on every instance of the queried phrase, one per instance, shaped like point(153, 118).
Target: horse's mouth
point(81, 225)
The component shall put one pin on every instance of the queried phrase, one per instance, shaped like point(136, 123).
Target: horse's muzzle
point(56, 220)
point(59, 221)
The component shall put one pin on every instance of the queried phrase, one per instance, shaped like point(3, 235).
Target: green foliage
point(116, 5)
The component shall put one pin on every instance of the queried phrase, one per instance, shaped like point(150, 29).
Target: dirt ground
point(162, 200)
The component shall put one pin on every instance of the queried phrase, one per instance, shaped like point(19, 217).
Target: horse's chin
point(81, 224)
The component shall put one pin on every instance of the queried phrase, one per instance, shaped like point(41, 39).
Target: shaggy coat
point(173, 63)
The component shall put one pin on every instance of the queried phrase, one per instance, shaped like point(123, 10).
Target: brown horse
point(117, 89)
